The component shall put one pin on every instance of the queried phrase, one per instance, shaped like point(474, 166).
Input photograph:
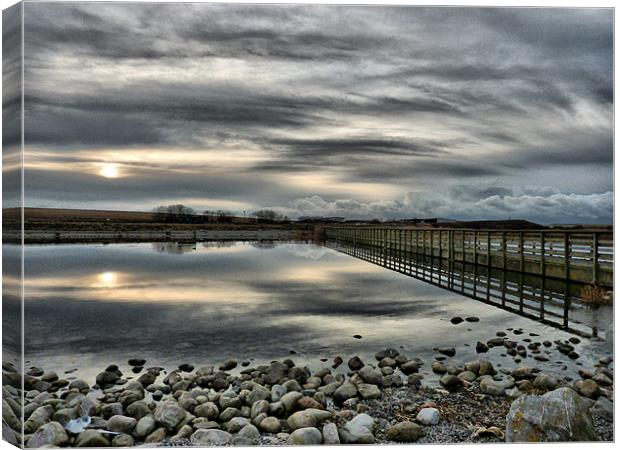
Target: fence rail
point(581, 256)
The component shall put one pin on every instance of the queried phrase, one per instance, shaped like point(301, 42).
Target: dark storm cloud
point(405, 98)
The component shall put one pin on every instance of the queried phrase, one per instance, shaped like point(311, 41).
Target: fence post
point(542, 254)
point(566, 257)
point(595, 258)
point(504, 250)
point(522, 250)
point(488, 249)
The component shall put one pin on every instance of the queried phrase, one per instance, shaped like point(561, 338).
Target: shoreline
point(232, 403)
point(164, 235)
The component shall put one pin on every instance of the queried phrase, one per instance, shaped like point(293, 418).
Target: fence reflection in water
point(550, 301)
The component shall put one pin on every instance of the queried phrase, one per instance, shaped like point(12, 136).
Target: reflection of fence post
point(542, 298)
point(566, 302)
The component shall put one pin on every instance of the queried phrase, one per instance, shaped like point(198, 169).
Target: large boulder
point(558, 416)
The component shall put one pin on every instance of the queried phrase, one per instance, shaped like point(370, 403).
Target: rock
point(211, 437)
point(308, 402)
point(602, 379)
point(438, 368)
point(368, 391)
point(229, 364)
point(330, 388)
point(122, 424)
point(558, 416)
point(258, 393)
point(305, 436)
point(370, 375)
point(545, 382)
point(358, 430)
point(496, 342)
point(468, 376)
point(448, 351)
point(337, 362)
point(138, 410)
point(277, 391)
point(405, 432)
point(270, 425)
point(289, 400)
point(186, 367)
point(491, 387)
point(156, 436)
point(409, 367)
point(587, 388)
point(481, 347)
point(38, 418)
point(208, 410)
point(451, 382)
point(237, 423)
point(330, 434)
point(228, 414)
point(604, 408)
point(144, 427)
point(292, 385)
point(91, 438)
point(486, 368)
point(344, 392)
point(80, 385)
point(147, 378)
point(456, 320)
point(249, 431)
point(123, 440)
point(136, 362)
point(111, 409)
point(301, 419)
point(106, 379)
point(51, 433)
point(428, 416)
point(169, 414)
point(472, 319)
point(355, 363)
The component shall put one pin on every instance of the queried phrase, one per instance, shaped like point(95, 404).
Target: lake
point(91, 305)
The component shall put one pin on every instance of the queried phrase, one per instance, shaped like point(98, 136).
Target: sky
point(360, 112)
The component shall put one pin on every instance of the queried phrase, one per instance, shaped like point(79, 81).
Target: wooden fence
point(580, 256)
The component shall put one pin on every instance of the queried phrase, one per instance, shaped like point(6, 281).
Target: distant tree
point(223, 215)
point(176, 212)
point(267, 215)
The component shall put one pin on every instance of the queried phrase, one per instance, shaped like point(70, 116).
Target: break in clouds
point(361, 112)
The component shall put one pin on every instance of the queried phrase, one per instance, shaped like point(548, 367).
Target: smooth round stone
point(428, 416)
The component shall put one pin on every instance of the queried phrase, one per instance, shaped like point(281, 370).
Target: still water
point(88, 306)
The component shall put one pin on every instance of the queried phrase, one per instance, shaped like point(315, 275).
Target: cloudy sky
point(317, 110)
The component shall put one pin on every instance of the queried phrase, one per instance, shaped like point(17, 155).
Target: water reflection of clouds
point(202, 307)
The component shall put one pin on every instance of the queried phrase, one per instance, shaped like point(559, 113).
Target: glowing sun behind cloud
point(109, 171)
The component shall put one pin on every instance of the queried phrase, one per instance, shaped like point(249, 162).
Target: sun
point(107, 279)
point(109, 171)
